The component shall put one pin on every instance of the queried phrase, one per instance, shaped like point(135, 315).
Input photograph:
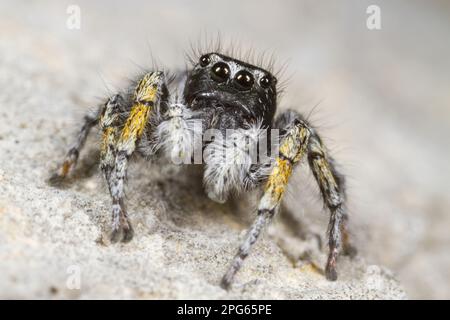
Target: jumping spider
point(156, 118)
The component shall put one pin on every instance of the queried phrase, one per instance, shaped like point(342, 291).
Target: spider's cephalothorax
point(159, 118)
point(236, 92)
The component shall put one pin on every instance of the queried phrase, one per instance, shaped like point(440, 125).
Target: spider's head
point(234, 92)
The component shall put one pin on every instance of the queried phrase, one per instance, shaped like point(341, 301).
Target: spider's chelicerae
point(161, 117)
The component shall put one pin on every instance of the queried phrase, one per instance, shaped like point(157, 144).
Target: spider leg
point(145, 99)
point(292, 149)
point(332, 187)
point(71, 158)
point(110, 123)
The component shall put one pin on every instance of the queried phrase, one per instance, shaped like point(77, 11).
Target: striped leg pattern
point(145, 98)
point(110, 124)
point(293, 148)
point(332, 188)
point(299, 141)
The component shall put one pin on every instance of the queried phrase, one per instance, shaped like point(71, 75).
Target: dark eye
point(244, 80)
point(265, 82)
point(205, 60)
point(220, 72)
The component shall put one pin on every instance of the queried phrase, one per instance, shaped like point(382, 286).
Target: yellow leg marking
point(145, 97)
point(292, 150)
point(147, 89)
point(324, 174)
point(278, 179)
point(136, 122)
point(65, 168)
point(294, 145)
point(108, 140)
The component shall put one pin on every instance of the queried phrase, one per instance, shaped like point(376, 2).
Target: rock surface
point(56, 241)
point(53, 241)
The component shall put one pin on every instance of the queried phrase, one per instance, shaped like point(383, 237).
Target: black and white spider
point(158, 117)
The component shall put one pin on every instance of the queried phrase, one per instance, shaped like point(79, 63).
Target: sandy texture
point(383, 110)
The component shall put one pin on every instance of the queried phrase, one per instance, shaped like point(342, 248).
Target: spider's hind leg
point(90, 119)
point(332, 188)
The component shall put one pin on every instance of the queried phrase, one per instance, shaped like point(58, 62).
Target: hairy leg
point(71, 158)
point(292, 150)
point(332, 187)
point(145, 98)
point(110, 124)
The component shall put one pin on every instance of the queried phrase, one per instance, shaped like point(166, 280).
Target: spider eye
point(205, 60)
point(220, 72)
point(244, 80)
point(265, 82)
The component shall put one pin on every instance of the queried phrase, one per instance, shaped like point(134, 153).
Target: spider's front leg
point(332, 187)
point(121, 145)
point(299, 140)
point(292, 149)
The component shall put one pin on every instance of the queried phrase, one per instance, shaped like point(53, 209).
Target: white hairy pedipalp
point(229, 159)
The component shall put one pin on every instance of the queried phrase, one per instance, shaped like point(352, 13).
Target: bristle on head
point(232, 48)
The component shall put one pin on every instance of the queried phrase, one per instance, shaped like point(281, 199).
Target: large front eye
point(244, 80)
point(204, 60)
point(220, 72)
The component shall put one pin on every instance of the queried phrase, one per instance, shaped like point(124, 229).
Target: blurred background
point(382, 96)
